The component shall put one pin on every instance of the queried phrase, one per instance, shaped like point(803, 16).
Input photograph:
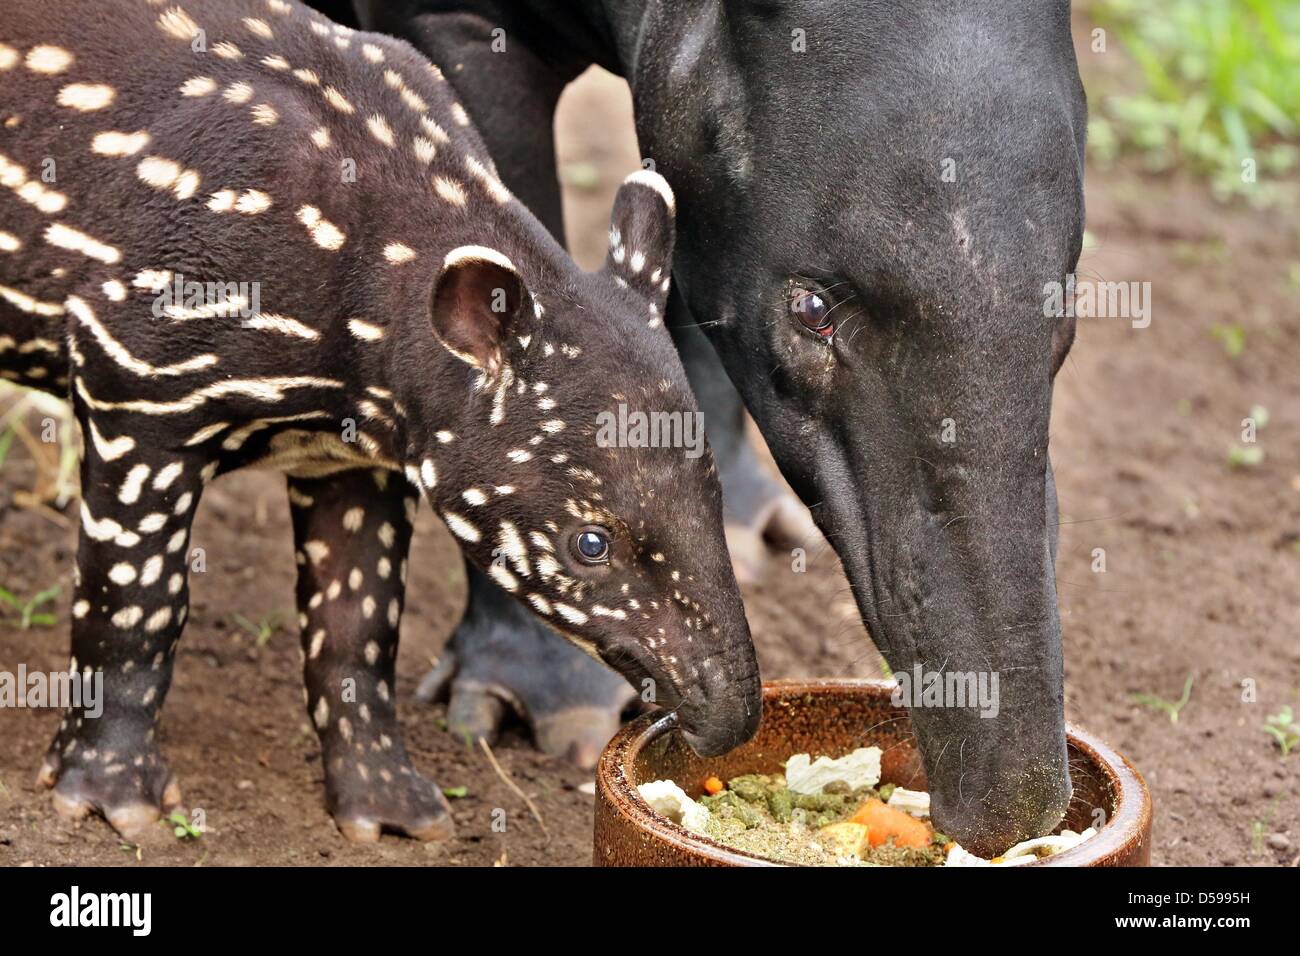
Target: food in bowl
point(830, 812)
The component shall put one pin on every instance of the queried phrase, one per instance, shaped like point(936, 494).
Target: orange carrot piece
point(884, 821)
point(713, 786)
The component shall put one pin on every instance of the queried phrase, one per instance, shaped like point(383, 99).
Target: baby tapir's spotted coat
point(395, 324)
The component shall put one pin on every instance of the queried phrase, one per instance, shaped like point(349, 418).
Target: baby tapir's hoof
point(402, 802)
point(131, 797)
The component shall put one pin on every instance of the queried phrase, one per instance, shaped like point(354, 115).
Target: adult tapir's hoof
point(404, 803)
point(133, 799)
point(780, 525)
point(572, 703)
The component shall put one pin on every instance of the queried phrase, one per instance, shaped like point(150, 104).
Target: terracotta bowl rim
point(1123, 830)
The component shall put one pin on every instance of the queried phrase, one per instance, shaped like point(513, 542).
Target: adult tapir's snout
point(950, 547)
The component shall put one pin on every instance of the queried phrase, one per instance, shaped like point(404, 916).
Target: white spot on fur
point(128, 617)
point(495, 188)
point(238, 93)
point(425, 151)
point(264, 114)
point(323, 232)
point(175, 22)
point(47, 59)
point(86, 97)
point(380, 130)
point(337, 100)
point(122, 573)
point(166, 174)
point(110, 450)
point(198, 86)
point(166, 475)
point(258, 27)
point(461, 528)
point(398, 253)
point(129, 493)
point(272, 322)
point(365, 331)
point(571, 614)
point(503, 577)
point(151, 571)
point(449, 191)
point(65, 237)
point(112, 143)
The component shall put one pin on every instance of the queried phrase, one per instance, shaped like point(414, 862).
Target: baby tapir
point(235, 234)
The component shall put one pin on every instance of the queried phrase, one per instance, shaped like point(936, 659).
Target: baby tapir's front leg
point(352, 532)
point(130, 605)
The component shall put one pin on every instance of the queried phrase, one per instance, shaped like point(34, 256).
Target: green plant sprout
point(1233, 338)
point(182, 828)
point(262, 630)
point(27, 615)
point(1245, 456)
point(1172, 708)
point(1283, 729)
point(1259, 828)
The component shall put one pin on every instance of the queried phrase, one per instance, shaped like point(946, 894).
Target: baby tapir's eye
point(592, 545)
point(812, 310)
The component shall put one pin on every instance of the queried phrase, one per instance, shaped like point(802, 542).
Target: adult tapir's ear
point(481, 306)
point(641, 234)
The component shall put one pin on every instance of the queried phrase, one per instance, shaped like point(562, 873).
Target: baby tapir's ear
point(641, 234)
point(480, 303)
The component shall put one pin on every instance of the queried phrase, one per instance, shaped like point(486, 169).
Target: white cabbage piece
point(1024, 852)
point(1049, 845)
point(915, 802)
point(670, 800)
point(858, 769)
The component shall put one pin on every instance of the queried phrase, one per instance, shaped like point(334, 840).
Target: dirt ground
point(1202, 577)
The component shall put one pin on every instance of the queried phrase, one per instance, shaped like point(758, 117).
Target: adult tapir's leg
point(352, 533)
point(758, 509)
point(509, 90)
point(502, 658)
point(131, 600)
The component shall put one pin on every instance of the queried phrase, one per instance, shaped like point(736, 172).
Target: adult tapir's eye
point(592, 545)
point(812, 310)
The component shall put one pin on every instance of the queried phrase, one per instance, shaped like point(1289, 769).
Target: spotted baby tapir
point(380, 320)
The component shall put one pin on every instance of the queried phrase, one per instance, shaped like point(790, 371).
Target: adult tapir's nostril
point(994, 812)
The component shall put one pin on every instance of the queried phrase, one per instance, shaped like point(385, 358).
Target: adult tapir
point(872, 194)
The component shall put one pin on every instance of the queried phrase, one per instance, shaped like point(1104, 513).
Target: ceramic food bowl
point(833, 717)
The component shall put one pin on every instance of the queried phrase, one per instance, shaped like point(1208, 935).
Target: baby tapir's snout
point(702, 667)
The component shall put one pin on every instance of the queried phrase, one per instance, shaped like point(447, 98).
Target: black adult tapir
point(872, 197)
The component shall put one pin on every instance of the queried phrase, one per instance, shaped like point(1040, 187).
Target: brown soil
point(1203, 570)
